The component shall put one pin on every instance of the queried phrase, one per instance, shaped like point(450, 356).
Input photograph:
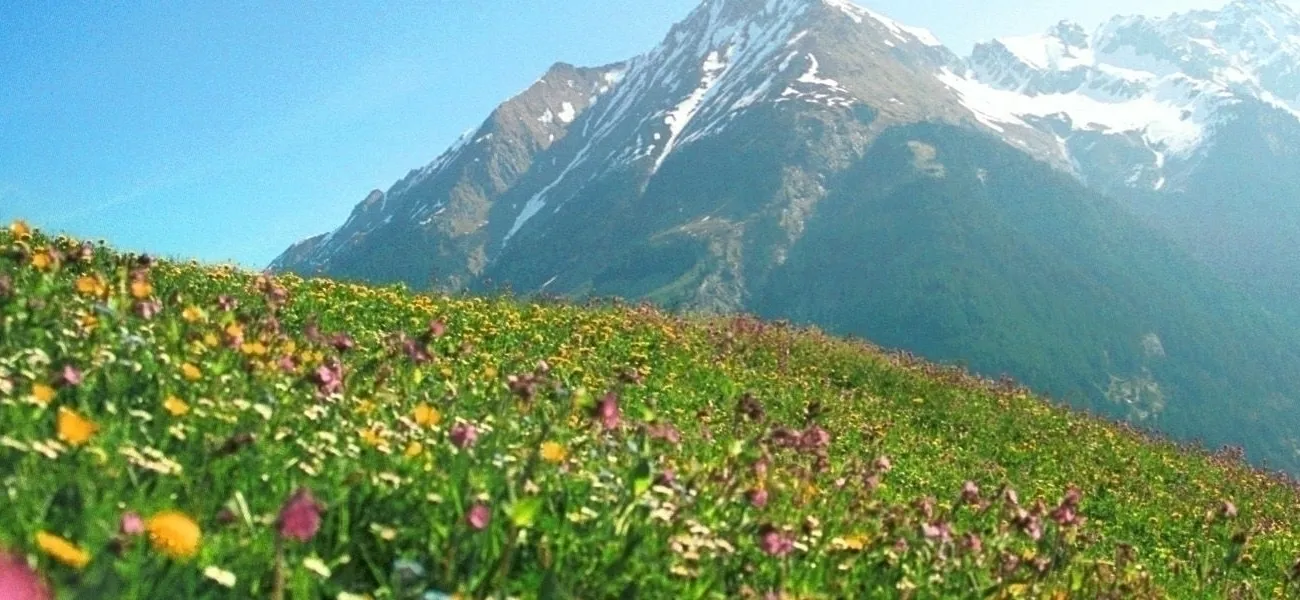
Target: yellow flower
point(141, 289)
point(553, 452)
point(192, 314)
point(176, 406)
point(20, 229)
point(371, 436)
point(191, 372)
point(91, 285)
point(43, 394)
point(235, 330)
point(42, 260)
point(426, 416)
point(253, 348)
point(62, 550)
point(413, 449)
point(74, 428)
point(174, 534)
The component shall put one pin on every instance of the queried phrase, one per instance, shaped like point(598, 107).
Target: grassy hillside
point(161, 425)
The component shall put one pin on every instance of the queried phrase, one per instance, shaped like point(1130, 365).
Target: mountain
point(815, 161)
point(1191, 119)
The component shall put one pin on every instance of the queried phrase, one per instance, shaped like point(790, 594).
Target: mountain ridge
point(706, 175)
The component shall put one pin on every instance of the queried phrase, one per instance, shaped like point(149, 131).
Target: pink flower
point(883, 464)
point(665, 432)
point(131, 524)
point(71, 376)
point(970, 493)
point(300, 516)
point(227, 303)
point(437, 328)
point(478, 516)
point(19, 582)
point(329, 378)
point(757, 497)
point(463, 435)
point(775, 543)
point(607, 411)
point(1228, 509)
point(148, 309)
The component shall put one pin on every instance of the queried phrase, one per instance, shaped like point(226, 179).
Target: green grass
point(656, 506)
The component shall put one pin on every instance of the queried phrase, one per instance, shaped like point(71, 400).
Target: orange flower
point(174, 534)
point(141, 289)
point(426, 416)
point(175, 406)
point(91, 285)
point(62, 550)
point(20, 229)
point(191, 372)
point(74, 428)
point(553, 452)
point(43, 394)
point(42, 260)
point(192, 314)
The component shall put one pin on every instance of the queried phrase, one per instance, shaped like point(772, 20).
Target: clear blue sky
point(228, 130)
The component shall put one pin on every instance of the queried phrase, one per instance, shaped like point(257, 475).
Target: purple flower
point(342, 342)
point(665, 432)
point(478, 516)
point(329, 378)
point(607, 411)
point(148, 309)
point(131, 524)
point(815, 437)
point(300, 516)
point(972, 543)
point(463, 435)
point(938, 531)
point(666, 477)
point(775, 543)
point(18, 581)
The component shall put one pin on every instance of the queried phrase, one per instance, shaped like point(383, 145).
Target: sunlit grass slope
point(183, 431)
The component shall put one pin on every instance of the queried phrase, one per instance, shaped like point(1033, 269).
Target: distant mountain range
point(1108, 216)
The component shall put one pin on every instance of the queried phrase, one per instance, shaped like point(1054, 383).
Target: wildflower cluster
point(177, 430)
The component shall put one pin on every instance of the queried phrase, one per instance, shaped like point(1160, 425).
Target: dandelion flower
point(191, 372)
point(174, 534)
point(175, 406)
point(42, 260)
point(426, 416)
point(553, 452)
point(91, 285)
point(62, 550)
point(20, 229)
point(413, 450)
point(74, 428)
point(141, 289)
point(43, 394)
point(192, 314)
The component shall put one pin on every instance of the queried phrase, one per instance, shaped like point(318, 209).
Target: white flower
point(219, 575)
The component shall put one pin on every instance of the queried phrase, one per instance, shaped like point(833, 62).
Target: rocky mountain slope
point(814, 160)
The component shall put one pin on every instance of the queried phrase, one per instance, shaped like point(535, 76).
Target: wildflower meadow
point(176, 430)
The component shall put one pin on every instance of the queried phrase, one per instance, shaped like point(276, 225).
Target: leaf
point(642, 479)
point(524, 511)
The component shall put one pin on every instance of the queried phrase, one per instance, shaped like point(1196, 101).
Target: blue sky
point(228, 130)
